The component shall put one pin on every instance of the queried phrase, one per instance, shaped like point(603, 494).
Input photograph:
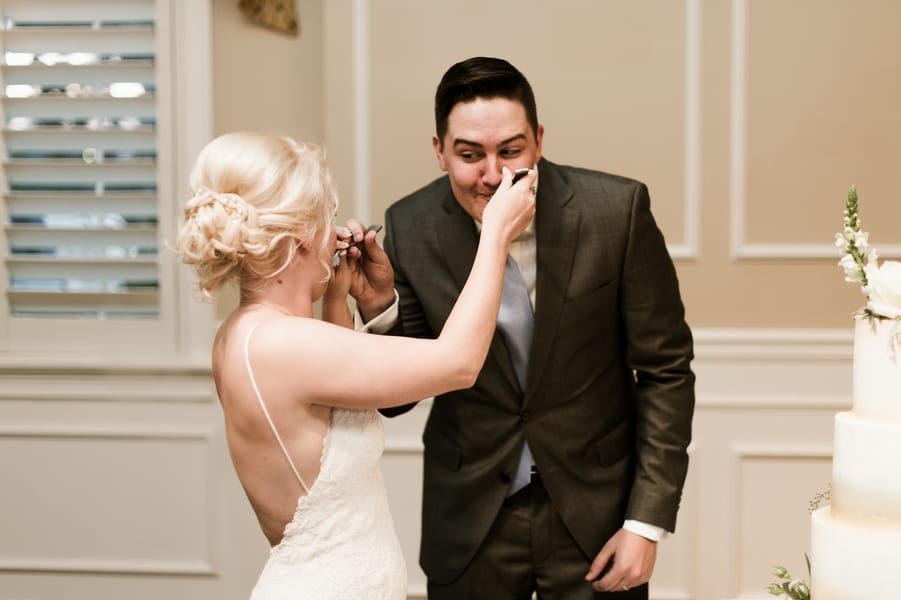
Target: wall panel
point(70, 480)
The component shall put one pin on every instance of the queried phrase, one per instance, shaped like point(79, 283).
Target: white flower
point(881, 285)
point(853, 274)
point(872, 257)
point(883, 289)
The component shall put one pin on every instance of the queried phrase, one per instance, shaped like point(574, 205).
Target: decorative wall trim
point(777, 450)
point(113, 431)
point(780, 368)
point(737, 164)
point(740, 247)
point(762, 401)
point(94, 365)
point(88, 385)
point(718, 344)
point(193, 71)
point(688, 248)
point(174, 384)
point(362, 126)
point(108, 566)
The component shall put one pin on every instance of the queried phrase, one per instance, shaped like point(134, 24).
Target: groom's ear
point(438, 145)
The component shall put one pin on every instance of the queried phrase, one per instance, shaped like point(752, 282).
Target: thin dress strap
point(278, 438)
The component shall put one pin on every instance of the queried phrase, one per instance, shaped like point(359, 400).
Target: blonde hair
point(255, 198)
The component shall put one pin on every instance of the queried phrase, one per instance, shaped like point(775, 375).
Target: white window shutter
point(101, 124)
point(80, 165)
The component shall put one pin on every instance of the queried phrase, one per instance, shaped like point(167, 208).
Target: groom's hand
point(372, 277)
point(626, 561)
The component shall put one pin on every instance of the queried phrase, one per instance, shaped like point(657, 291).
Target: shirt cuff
point(381, 322)
point(652, 532)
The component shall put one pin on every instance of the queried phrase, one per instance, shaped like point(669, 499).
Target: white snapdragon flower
point(853, 274)
point(872, 257)
point(883, 289)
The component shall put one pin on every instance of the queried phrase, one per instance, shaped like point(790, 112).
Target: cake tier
point(850, 562)
point(866, 464)
point(877, 368)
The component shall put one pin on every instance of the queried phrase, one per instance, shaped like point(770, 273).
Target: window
point(79, 127)
point(91, 172)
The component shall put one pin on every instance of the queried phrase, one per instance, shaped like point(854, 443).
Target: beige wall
point(264, 80)
point(748, 119)
point(749, 125)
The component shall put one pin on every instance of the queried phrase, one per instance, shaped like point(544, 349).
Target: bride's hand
point(342, 274)
point(512, 207)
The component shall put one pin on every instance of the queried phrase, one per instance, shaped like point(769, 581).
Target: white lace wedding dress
point(341, 543)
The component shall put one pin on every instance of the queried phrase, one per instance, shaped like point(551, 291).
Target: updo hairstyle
point(255, 197)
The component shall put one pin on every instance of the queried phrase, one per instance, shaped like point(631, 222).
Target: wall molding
point(688, 248)
point(783, 449)
point(729, 343)
point(108, 567)
point(152, 385)
point(778, 450)
point(115, 566)
point(740, 247)
point(112, 431)
point(362, 100)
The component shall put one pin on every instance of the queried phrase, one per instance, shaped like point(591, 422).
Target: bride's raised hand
point(342, 273)
point(512, 207)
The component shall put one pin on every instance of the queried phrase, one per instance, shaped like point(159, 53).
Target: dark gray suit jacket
point(608, 405)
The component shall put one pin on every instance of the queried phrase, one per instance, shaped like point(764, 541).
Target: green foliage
point(788, 587)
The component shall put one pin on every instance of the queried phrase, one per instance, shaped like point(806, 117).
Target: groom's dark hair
point(482, 77)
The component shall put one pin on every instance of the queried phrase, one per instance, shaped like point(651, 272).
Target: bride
point(299, 394)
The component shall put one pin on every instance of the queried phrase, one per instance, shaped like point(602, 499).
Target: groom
point(563, 466)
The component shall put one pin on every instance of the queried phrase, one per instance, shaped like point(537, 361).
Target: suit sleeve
point(411, 321)
point(659, 351)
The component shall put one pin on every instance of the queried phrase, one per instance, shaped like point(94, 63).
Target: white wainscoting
point(118, 483)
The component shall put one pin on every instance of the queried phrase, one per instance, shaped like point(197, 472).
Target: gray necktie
point(515, 322)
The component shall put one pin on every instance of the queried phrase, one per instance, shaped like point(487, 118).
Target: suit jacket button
point(505, 478)
point(525, 416)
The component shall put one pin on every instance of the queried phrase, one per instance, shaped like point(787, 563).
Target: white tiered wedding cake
point(855, 547)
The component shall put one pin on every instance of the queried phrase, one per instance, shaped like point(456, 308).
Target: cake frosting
point(855, 546)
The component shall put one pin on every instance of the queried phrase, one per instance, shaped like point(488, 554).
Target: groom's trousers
point(528, 549)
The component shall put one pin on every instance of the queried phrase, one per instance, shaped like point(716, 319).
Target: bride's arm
point(339, 367)
point(334, 300)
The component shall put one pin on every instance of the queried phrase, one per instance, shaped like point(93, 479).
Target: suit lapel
point(458, 240)
point(557, 228)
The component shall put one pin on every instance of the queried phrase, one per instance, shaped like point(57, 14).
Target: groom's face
point(483, 136)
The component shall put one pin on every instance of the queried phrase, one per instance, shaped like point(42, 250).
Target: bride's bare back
point(265, 474)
